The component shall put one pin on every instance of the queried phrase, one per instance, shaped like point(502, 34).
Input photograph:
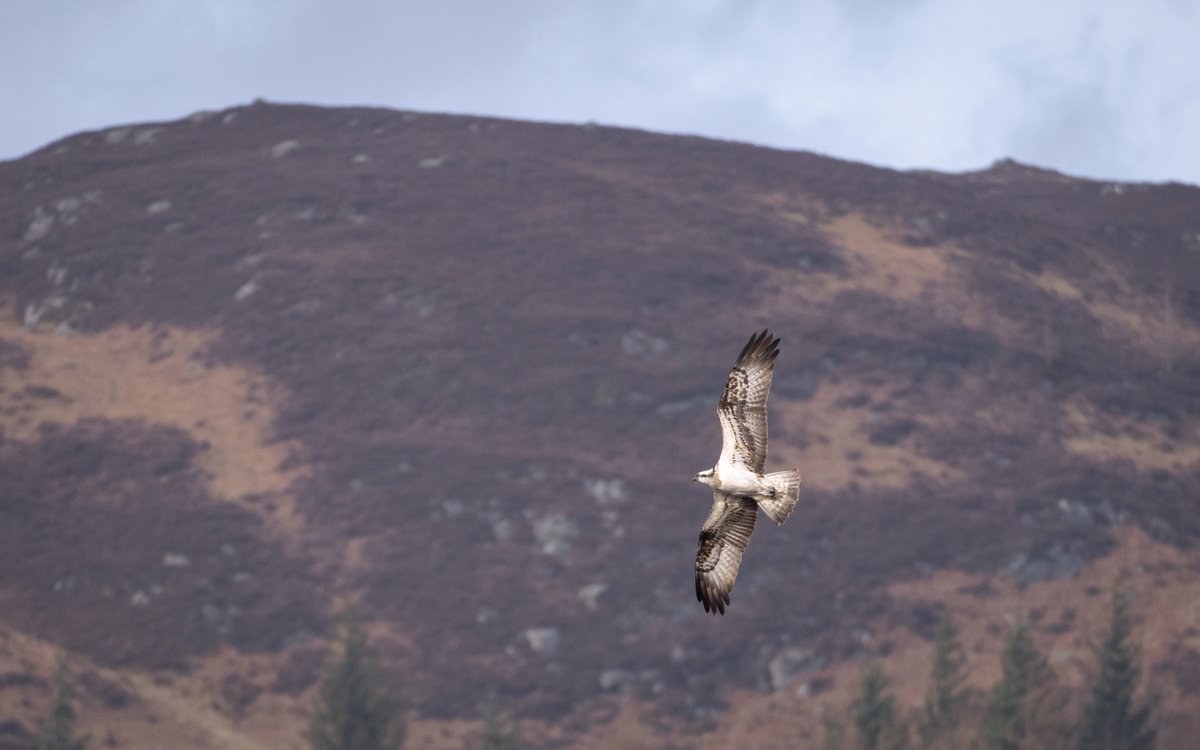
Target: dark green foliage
point(1025, 707)
point(56, 730)
point(498, 731)
point(946, 698)
point(835, 733)
point(874, 714)
point(356, 707)
point(1110, 721)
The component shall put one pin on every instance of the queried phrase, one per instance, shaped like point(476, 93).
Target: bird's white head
point(705, 476)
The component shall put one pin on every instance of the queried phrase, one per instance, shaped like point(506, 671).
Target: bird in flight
point(739, 486)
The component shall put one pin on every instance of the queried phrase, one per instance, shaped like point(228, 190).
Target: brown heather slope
point(259, 364)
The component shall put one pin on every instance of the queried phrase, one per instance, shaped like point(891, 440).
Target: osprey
point(739, 486)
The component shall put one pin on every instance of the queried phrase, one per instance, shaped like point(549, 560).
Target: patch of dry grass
point(875, 261)
point(1148, 446)
point(837, 448)
point(159, 376)
point(1150, 322)
point(162, 710)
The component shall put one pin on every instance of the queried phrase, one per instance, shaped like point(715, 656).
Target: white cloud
point(1107, 89)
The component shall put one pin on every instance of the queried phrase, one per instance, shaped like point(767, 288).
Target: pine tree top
point(56, 730)
point(946, 696)
point(498, 731)
point(874, 711)
point(357, 707)
point(1023, 706)
point(1110, 720)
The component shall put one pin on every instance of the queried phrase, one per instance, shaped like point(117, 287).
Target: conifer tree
point(498, 731)
point(946, 698)
point(835, 733)
point(1110, 721)
point(1025, 707)
point(874, 714)
point(56, 730)
point(356, 707)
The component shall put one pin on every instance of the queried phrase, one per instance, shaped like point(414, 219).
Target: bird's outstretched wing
point(743, 406)
point(723, 538)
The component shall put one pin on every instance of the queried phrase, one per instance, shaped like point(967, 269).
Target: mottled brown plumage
point(743, 405)
point(723, 538)
point(739, 486)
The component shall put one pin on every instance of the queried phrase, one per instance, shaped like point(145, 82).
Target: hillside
point(260, 364)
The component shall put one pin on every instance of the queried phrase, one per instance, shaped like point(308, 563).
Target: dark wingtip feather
point(713, 600)
point(746, 349)
point(762, 345)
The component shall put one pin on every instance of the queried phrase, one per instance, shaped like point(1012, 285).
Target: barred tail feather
point(787, 491)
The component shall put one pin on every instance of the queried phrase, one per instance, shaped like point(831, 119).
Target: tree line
point(1026, 710)
point(358, 706)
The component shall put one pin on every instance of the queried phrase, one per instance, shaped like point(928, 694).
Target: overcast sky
point(1097, 88)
